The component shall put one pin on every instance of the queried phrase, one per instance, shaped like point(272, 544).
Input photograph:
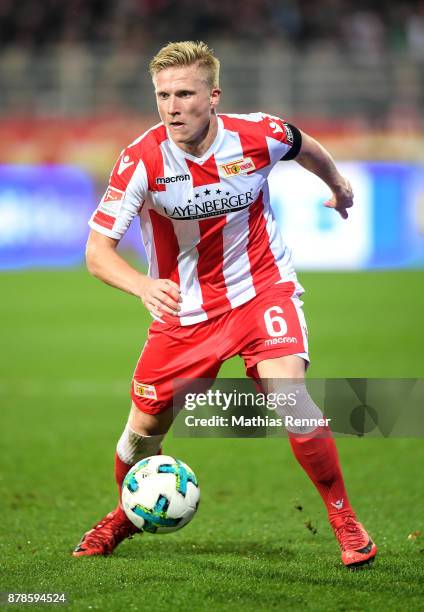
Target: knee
point(149, 424)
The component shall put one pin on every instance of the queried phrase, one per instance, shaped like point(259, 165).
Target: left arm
point(315, 158)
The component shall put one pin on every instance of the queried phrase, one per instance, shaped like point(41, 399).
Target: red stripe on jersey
point(252, 139)
point(104, 220)
point(148, 149)
point(204, 174)
point(263, 269)
point(166, 246)
point(210, 265)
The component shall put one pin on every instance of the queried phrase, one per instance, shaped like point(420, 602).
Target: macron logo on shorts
point(281, 340)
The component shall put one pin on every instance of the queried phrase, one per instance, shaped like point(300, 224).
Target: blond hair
point(187, 53)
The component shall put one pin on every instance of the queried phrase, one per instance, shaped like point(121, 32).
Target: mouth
point(176, 124)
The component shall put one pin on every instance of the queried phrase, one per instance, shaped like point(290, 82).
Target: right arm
point(105, 263)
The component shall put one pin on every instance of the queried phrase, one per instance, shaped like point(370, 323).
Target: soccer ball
point(160, 494)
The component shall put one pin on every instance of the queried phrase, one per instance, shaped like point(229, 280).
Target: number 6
point(275, 325)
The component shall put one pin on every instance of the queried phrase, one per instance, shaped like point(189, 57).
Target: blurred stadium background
point(75, 89)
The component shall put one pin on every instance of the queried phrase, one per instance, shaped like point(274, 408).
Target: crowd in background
point(332, 59)
point(75, 86)
point(364, 26)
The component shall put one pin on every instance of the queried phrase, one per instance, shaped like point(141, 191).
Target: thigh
point(171, 356)
point(277, 328)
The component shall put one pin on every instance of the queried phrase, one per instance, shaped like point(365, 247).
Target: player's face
point(186, 105)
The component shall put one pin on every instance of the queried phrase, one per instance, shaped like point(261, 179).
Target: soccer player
point(221, 280)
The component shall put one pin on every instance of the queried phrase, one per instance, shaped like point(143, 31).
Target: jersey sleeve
point(123, 198)
point(284, 139)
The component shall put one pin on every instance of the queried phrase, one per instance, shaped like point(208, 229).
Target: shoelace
point(350, 535)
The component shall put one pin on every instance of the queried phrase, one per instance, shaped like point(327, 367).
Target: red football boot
point(356, 545)
point(106, 535)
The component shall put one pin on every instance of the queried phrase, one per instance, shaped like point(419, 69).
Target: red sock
point(121, 470)
point(318, 457)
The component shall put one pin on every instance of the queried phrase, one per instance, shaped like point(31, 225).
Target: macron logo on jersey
point(124, 163)
point(163, 180)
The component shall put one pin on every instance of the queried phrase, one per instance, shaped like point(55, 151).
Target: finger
point(151, 306)
point(154, 307)
point(340, 209)
point(171, 289)
point(169, 300)
point(340, 202)
point(155, 311)
point(155, 302)
point(331, 203)
point(173, 294)
point(161, 307)
point(173, 285)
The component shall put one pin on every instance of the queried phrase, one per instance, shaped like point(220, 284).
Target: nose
point(173, 108)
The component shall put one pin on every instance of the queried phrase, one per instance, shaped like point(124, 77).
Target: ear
point(215, 97)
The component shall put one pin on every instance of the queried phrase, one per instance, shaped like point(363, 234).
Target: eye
point(162, 96)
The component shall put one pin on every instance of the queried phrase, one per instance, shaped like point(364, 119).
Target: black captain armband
point(294, 137)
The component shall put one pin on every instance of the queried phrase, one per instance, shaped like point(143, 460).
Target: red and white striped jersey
point(206, 222)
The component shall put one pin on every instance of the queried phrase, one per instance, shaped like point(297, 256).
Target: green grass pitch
point(69, 345)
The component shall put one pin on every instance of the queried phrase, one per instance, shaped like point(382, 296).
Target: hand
point(160, 296)
point(342, 199)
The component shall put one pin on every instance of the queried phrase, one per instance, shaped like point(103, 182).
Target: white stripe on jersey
point(188, 237)
point(254, 117)
point(148, 241)
point(133, 200)
point(236, 260)
point(276, 149)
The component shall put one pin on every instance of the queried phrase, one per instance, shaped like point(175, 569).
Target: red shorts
point(270, 325)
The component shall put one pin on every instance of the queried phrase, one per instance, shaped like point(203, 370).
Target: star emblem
point(197, 195)
point(188, 201)
point(207, 191)
point(227, 193)
point(217, 190)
